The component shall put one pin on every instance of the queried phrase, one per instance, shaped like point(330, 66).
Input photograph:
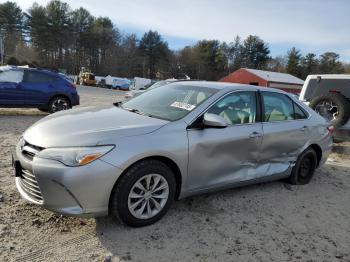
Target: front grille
point(30, 185)
point(29, 150)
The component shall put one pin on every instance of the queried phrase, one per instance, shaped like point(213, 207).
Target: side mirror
point(212, 120)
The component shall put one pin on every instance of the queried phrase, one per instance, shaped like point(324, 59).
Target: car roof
point(228, 86)
point(22, 68)
point(42, 70)
point(329, 76)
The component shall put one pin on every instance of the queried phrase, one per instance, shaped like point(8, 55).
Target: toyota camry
point(132, 160)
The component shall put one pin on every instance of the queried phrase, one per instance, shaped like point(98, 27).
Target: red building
point(256, 77)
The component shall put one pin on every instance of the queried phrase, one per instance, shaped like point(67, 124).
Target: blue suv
point(42, 89)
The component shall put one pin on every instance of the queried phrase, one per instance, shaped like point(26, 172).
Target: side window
point(278, 107)
point(36, 77)
point(11, 76)
point(236, 108)
point(298, 112)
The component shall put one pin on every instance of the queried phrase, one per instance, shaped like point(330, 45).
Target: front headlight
point(75, 156)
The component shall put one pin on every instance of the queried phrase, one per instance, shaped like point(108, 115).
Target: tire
point(304, 168)
point(334, 107)
point(59, 103)
point(121, 202)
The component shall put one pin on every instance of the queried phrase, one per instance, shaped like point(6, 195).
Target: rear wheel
point(333, 107)
point(59, 103)
point(304, 168)
point(144, 194)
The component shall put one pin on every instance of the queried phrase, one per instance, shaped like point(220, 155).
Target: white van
point(140, 83)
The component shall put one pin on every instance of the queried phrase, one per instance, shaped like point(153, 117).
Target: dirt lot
point(265, 222)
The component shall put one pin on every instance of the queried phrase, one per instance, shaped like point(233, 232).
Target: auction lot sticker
point(182, 105)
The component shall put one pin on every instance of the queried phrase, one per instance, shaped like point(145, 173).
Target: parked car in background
point(329, 95)
point(171, 142)
point(117, 82)
point(134, 92)
point(36, 88)
point(100, 80)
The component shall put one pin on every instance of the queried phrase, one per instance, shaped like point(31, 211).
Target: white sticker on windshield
point(182, 105)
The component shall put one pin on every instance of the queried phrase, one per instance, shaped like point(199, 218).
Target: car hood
point(89, 126)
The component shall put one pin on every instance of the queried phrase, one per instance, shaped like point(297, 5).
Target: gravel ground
point(265, 222)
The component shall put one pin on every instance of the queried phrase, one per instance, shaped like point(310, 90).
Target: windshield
point(157, 84)
point(170, 102)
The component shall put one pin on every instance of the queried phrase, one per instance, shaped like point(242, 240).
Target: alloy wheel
point(59, 104)
point(148, 196)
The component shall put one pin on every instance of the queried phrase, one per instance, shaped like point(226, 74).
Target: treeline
point(56, 37)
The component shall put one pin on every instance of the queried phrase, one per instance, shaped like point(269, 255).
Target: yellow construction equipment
point(85, 77)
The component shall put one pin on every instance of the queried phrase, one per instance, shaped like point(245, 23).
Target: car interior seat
point(235, 114)
point(200, 97)
point(276, 113)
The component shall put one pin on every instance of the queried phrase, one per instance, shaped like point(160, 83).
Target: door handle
point(255, 135)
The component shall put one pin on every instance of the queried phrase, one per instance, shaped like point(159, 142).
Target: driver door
point(220, 157)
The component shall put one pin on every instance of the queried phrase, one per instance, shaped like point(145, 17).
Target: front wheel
point(59, 103)
point(144, 194)
point(304, 168)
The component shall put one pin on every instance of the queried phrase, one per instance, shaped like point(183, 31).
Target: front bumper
point(76, 191)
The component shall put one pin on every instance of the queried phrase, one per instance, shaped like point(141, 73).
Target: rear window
point(38, 77)
point(279, 107)
point(11, 76)
point(298, 112)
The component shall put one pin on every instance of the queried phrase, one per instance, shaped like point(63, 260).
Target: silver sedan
point(133, 160)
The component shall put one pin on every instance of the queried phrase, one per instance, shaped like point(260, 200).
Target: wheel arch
point(318, 151)
point(168, 162)
point(59, 95)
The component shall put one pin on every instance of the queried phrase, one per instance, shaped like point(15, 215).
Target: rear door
point(38, 86)
point(286, 132)
point(219, 157)
point(11, 90)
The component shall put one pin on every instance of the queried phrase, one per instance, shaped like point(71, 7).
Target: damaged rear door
point(285, 133)
point(220, 157)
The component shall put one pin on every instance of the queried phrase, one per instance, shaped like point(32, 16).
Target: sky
point(310, 25)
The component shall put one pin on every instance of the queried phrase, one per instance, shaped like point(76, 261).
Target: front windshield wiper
point(134, 110)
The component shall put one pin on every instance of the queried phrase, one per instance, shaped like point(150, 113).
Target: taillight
point(72, 85)
point(330, 129)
